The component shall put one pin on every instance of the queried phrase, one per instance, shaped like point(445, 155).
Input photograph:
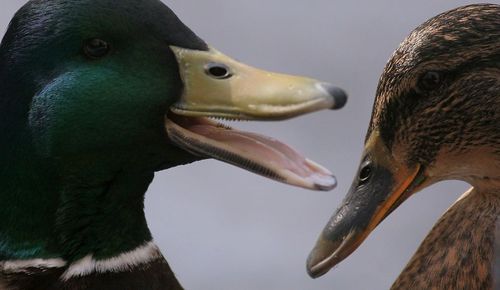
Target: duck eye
point(218, 71)
point(365, 173)
point(430, 80)
point(96, 48)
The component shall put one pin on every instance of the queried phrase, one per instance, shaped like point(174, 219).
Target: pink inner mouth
point(254, 152)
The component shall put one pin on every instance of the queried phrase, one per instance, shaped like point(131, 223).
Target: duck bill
point(369, 201)
point(216, 86)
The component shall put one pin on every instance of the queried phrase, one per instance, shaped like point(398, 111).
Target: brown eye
point(430, 80)
point(218, 71)
point(96, 48)
point(365, 173)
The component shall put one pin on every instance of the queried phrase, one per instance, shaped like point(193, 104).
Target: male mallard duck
point(97, 95)
point(436, 117)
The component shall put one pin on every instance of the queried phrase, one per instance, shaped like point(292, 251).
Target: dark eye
point(96, 48)
point(430, 80)
point(365, 173)
point(218, 71)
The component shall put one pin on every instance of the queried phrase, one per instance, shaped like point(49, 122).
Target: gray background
point(222, 228)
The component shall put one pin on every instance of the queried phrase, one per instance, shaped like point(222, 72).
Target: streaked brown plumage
point(436, 117)
point(458, 253)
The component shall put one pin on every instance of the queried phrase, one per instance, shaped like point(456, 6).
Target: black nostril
point(218, 71)
point(338, 94)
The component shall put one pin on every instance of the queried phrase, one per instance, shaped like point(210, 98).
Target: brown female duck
point(436, 117)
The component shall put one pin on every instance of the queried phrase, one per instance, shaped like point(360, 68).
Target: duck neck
point(103, 219)
point(47, 214)
point(65, 232)
point(459, 252)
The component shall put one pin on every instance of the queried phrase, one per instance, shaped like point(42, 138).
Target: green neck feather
point(46, 213)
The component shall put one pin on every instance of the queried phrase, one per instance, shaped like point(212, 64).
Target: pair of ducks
point(96, 96)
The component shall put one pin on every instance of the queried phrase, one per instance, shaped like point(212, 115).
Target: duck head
point(110, 78)
point(435, 117)
point(98, 95)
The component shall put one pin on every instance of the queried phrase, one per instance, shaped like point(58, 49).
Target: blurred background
point(222, 228)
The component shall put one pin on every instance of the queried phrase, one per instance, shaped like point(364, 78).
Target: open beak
point(381, 186)
point(216, 86)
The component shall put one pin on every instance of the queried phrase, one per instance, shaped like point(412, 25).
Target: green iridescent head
point(97, 95)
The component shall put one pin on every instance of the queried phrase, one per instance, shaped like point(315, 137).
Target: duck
point(435, 117)
point(95, 97)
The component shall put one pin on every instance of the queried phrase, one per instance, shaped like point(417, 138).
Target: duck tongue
point(254, 152)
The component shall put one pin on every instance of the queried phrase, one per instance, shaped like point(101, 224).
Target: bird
point(95, 97)
point(435, 117)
